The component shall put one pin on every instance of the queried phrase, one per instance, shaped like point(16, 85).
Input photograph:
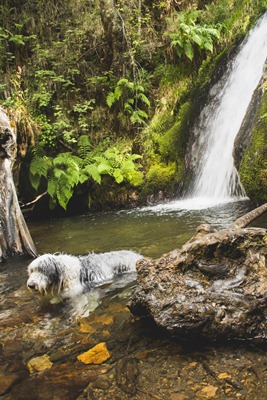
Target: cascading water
point(220, 121)
point(216, 178)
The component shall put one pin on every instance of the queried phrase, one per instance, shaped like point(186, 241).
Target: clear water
point(165, 369)
point(150, 231)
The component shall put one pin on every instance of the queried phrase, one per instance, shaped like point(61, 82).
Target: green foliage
point(87, 70)
point(131, 97)
point(189, 34)
point(62, 174)
point(67, 125)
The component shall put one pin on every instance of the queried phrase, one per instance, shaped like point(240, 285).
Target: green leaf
point(139, 117)
point(104, 167)
point(135, 157)
point(188, 49)
point(118, 175)
point(58, 173)
point(17, 39)
point(144, 99)
point(92, 171)
point(128, 108)
point(52, 187)
point(40, 166)
point(111, 152)
point(110, 99)
point(35, 181)
point(197, 39)
point(208, 45)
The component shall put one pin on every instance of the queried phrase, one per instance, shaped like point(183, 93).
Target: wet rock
point(127, 373)
point(102, 382)
point(85, 327)
point(208, 392)
point(104, 319)
point(97, 355)
point(39, 364)
point(214, 286)
point(6, 381)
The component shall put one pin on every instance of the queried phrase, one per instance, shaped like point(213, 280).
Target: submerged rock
point(39, 364)
point(215, 286)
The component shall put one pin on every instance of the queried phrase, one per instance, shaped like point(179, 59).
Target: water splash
point(221, 119)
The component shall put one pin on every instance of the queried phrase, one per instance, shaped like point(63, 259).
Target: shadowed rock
point(215, 286)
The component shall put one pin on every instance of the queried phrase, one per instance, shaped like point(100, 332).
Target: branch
point(35, 200)
point(246, 219)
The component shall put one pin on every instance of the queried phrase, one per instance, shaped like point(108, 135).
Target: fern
point(118, 176)
point(39, 168)
point(104, 167)
point(63, 173)
point(84, 146)
point(92, 171)
point(139, 117)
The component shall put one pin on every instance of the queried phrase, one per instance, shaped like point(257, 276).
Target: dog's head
point(44, 275)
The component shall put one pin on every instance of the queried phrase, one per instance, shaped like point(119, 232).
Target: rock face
point(215, 286)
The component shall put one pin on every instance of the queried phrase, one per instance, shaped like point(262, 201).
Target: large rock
point(215, 286)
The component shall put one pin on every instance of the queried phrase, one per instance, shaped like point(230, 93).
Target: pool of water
point(143, 363)
point(150, 231)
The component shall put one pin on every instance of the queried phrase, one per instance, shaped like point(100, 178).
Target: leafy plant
point(62, 174)
point(189, 34)
point(82, 110)
point(131, 97)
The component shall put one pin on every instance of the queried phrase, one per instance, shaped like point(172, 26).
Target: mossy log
point(214, 287)
point(15, 238)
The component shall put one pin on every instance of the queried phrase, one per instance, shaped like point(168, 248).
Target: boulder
point(214, 287)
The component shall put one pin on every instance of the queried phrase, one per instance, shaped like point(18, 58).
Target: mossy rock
point(253, 167)
point(160, 177)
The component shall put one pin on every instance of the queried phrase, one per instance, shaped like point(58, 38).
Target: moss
point(172, 144)
point(160, 177)
point(253, 167)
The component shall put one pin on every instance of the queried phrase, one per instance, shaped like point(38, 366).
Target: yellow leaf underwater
point(96, 355)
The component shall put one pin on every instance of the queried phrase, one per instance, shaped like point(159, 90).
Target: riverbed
point(40, 343)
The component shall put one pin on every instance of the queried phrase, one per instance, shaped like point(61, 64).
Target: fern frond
point(84, 146)
point(93, 172)
point(104, 167)
point(110, 99)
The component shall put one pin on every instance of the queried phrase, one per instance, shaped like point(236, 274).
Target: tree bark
point(15, 238)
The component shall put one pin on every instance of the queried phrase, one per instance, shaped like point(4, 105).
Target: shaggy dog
point(62, 276)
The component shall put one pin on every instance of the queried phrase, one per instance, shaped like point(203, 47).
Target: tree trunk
point(15, 238)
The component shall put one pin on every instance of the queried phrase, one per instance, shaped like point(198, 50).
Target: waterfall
point(220, 120)
point(216, 178)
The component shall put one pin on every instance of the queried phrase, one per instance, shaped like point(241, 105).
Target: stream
point(143, 363)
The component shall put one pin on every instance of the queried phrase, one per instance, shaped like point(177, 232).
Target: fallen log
point(246, 219)
point(214, 287)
